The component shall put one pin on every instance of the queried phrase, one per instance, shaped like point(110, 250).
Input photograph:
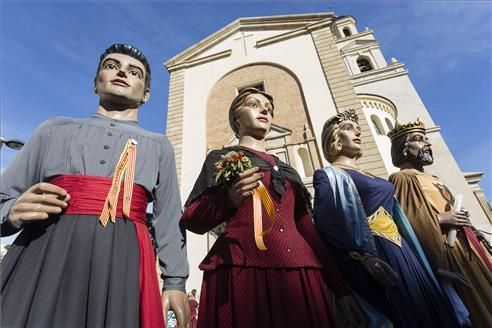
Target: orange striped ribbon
point(262, 197)
point(125, 166)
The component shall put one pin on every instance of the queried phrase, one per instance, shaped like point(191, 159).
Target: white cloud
point(439, 35)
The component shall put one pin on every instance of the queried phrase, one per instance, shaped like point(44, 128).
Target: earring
point(339, 147)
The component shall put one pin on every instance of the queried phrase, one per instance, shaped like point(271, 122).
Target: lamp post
point(12, 143)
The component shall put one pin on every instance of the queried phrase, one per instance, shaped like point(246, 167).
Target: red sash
point(88, 195)
point(473, 240)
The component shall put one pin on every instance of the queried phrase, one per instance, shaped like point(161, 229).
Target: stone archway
point(290, 109)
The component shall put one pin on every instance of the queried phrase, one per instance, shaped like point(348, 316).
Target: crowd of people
point(368, 253)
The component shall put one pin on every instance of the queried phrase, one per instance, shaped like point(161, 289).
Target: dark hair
point(129, 50)
point(239, 101)
point(399, 150)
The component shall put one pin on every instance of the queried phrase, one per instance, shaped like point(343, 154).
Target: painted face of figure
point(121, 80)
point(350, 138)
point(254, 117)
point(419, 149)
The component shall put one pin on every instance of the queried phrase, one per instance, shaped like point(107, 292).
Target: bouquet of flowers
point(226, 170)
point(230, 165)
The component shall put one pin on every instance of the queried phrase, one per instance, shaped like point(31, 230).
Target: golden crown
point(347, 115)
point(403, 129)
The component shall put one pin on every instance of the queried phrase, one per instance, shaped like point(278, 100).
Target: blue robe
point(343, 200)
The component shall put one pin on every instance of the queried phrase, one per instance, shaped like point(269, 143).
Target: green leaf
point(218, 176)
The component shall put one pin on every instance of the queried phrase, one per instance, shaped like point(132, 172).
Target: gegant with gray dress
point(70, 270)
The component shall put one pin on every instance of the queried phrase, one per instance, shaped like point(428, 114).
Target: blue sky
point(49, 52)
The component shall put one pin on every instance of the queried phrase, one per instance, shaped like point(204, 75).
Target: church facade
point(314, 65)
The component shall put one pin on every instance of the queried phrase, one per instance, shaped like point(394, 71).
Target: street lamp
point(12, 143)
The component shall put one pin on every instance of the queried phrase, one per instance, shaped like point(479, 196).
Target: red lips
point(120, 82)
point(357, 141)
point(263, 119)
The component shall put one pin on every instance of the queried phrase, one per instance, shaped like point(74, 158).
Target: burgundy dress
point(193, 303)
point(284, 286)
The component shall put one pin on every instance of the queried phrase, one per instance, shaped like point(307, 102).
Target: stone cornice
point(245, 24)
point(473, 177)
point(382, 103)
point(390, 71)
point(354, 36)
point(433, 129)
point(281, 37)
point(316, 26)
point(343, 18)
point(277, 131)
point(291, 34)
point(201, 60)
point(357, 48)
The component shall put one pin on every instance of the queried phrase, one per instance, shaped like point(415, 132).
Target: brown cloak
point(423, 197)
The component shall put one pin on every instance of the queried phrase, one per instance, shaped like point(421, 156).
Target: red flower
point(234, 158)
point(241, 155)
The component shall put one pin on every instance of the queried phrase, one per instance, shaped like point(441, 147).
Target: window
point(306, 162)
point(388, 122)
point(257, 85)
point(364, 64)
point(377, 125)
point(346, 31)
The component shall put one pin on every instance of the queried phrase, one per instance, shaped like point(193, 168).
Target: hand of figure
point(243, 186)
point(453, 276)
point(352, 313)
point(177, 301)
point(38, 203)
point(454, 219)
point(380, 271)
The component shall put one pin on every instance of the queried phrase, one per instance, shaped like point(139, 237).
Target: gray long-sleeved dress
point(50, 261)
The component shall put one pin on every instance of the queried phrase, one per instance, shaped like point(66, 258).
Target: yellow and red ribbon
point(126, 167)
point(262, 197)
